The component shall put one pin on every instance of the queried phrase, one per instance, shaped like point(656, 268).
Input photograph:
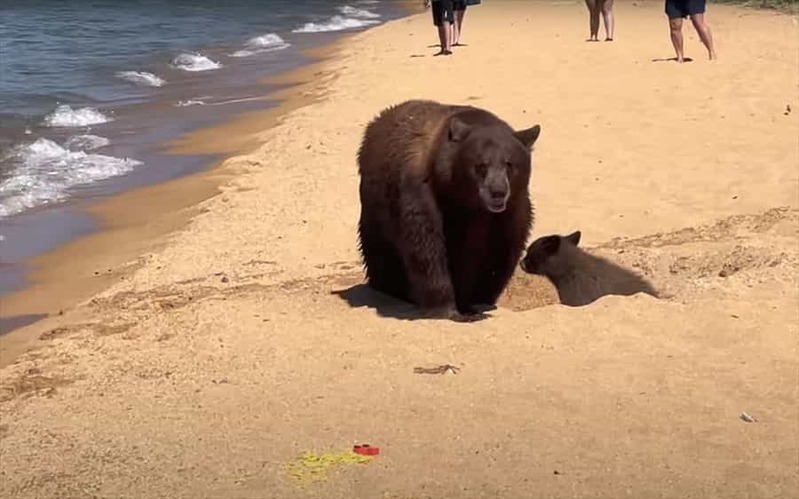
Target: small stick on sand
point(442, 369)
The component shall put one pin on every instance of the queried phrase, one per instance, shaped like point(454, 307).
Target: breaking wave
point(65, 116)
point(335, 23)
point(141, 78)
point(194, 62)
point(43, 171)
point(259, 44)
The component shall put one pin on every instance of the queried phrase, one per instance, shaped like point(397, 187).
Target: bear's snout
point(497, 192)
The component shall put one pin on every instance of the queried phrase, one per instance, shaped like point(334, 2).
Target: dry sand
point(246, 339)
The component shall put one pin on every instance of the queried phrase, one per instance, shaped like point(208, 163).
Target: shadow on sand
point(361, 295)
point(672, 59)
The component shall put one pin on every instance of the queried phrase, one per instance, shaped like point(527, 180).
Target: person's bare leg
point(593, 13)
point(675, 25)
point(703, 30)
point(457, 27)
point(445, 37)
point(607, 17)
point(442, 38)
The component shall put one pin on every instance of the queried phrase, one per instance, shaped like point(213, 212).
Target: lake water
point(90, 90)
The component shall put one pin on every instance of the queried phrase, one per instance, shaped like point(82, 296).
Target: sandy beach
point(219, 329)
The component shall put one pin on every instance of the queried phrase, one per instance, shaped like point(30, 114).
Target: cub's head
point(490, 163)
point(547, 255)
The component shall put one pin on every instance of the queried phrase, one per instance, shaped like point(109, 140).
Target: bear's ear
point(574, 237)
point(550, 244)
point(458, 130)
point(529, 136)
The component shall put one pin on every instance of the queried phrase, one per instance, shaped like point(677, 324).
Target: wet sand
point(202, 364)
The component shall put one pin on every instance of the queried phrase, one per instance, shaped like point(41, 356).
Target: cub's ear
point(458, 130)
point(574, 237)
point(550, 244)
point(529, 136)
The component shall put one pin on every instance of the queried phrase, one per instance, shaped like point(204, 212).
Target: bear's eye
point(481, 169)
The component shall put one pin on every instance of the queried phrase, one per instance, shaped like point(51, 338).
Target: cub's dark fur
point(445, 208)
point(580, 277)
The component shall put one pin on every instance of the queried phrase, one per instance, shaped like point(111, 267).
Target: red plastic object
point(366, 450)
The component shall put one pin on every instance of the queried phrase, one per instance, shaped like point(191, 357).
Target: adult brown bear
point(445, 207)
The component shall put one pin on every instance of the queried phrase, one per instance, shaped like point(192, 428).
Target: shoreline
point(61, 278)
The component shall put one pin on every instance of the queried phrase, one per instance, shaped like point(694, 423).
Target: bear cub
point(579, 276)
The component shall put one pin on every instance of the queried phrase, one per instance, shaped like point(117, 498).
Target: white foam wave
point(264, 43)
point(335, 23)
point(190, 102)
point(355, 12)
point(195, 62)
point(141, 78)
point(44, 171)
point(86, 142)
point(65, 116)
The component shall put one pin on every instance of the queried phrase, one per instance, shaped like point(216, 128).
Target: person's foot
point(459, 44)
point(711, 55)
point(443, 52)
point(608, 39)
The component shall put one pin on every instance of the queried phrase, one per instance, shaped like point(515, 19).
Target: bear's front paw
point(452, 313)
point(445, 312)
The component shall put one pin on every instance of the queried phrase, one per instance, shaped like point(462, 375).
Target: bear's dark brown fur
point(579, 276)
point(445, 207)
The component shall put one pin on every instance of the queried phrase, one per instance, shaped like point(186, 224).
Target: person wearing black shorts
point(443, 18)
point(677, 10)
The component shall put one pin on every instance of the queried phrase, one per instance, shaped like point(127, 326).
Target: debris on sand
point(746, 417)
point(312, 467)
point(442, 369)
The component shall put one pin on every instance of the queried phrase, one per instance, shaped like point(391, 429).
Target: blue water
point(70, 49)
point(72, 73)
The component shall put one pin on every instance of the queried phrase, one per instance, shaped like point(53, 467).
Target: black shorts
point(684, 8)
point(442, 12)
point(458, 5)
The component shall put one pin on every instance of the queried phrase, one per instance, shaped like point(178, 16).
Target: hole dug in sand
point(734, 252)
point(529, 291)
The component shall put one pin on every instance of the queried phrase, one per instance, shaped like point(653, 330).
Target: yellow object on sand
point(312, 467)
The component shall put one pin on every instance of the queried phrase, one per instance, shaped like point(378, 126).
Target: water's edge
point(88, 225)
